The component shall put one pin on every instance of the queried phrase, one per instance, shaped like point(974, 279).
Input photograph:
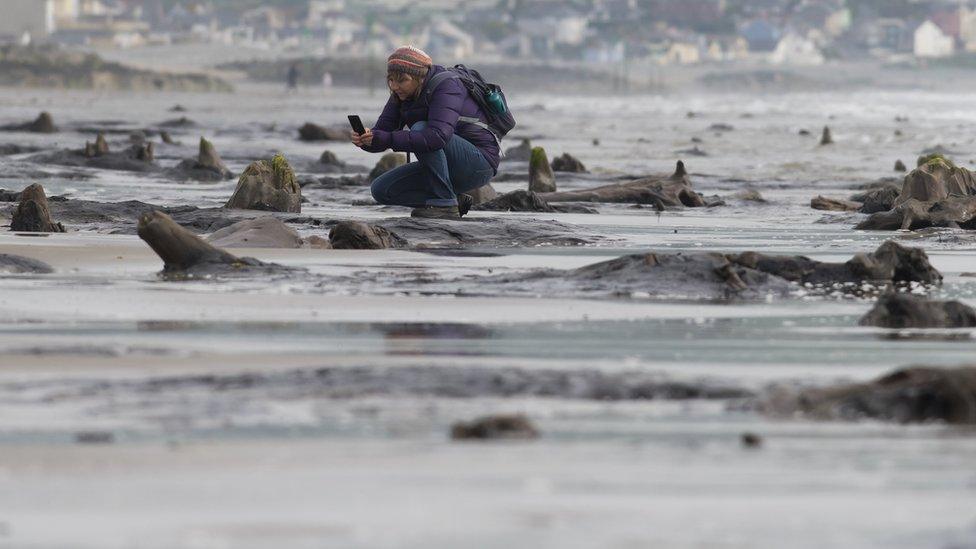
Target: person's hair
point(397, 74)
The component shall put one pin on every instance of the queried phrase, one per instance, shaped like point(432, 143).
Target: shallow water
point(192, 465)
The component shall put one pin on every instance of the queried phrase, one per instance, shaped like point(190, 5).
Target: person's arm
point(388, 121)
point(442, 117)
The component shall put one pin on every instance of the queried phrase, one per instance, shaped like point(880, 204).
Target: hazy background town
point(623, 45)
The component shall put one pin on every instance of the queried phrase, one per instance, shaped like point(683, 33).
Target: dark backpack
point(498, 124)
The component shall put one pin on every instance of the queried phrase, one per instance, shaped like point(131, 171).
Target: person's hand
point(362, 140)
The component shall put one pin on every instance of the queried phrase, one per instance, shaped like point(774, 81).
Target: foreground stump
point(186, 255)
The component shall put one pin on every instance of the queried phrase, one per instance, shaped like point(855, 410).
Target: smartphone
point(357, 124)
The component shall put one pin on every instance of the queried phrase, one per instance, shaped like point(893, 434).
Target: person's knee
point(379, 190)
point(417, 126)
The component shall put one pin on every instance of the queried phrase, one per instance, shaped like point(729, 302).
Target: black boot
point(465, 201)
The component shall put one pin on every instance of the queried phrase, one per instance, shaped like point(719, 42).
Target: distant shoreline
point(640, 78)
point(581, 78)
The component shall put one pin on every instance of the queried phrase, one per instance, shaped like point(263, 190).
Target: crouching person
point(435, 118)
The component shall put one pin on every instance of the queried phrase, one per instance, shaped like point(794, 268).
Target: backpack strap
point(477, 122)
point(436, 81)
point(439, 79)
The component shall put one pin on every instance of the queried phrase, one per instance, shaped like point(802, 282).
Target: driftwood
point(673, 191)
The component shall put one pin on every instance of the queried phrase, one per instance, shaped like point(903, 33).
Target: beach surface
point(314, 409)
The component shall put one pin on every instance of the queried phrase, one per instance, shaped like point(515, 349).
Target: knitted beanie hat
point(409, 60)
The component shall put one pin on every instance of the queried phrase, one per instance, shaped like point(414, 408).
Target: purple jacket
point(448, 102)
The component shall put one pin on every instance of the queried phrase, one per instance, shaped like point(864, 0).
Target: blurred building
point(321, 12)
point(794, 49)
point(931, 41)
point(66, 12)
point(681, 53)
point(967, 29)
point(31, 18)
point(445, 40)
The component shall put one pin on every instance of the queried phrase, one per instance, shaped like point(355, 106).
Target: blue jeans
point(436, 178)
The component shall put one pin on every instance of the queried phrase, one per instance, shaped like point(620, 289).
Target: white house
point(794, 49)
point(733, 49)
point(341, 33)
point(967, 28)
point(681, 53)
point(930, 41)
point(33, 17)
point(66, 11)
point(547, 27)
point(570, 28)
point(598, 51)
point(320, 12)
point(445, 40)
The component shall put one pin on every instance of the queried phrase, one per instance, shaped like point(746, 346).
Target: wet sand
point(202, 457)
point(410, 491)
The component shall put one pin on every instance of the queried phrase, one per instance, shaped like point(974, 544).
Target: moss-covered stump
point(936, 194)
point(268, 185)
point(926, 158)
point(935, 179)
point(32, 214)
point(541, 177)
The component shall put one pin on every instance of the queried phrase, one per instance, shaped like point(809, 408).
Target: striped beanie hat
point(410, 60)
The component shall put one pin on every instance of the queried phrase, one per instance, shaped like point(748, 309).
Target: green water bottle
point(496, 103)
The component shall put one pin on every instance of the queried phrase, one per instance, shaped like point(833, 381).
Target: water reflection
point(833, 340)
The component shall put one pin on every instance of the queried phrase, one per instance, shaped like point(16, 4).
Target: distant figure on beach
point(292, 78)
point(327, 80)
point(445, 128)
